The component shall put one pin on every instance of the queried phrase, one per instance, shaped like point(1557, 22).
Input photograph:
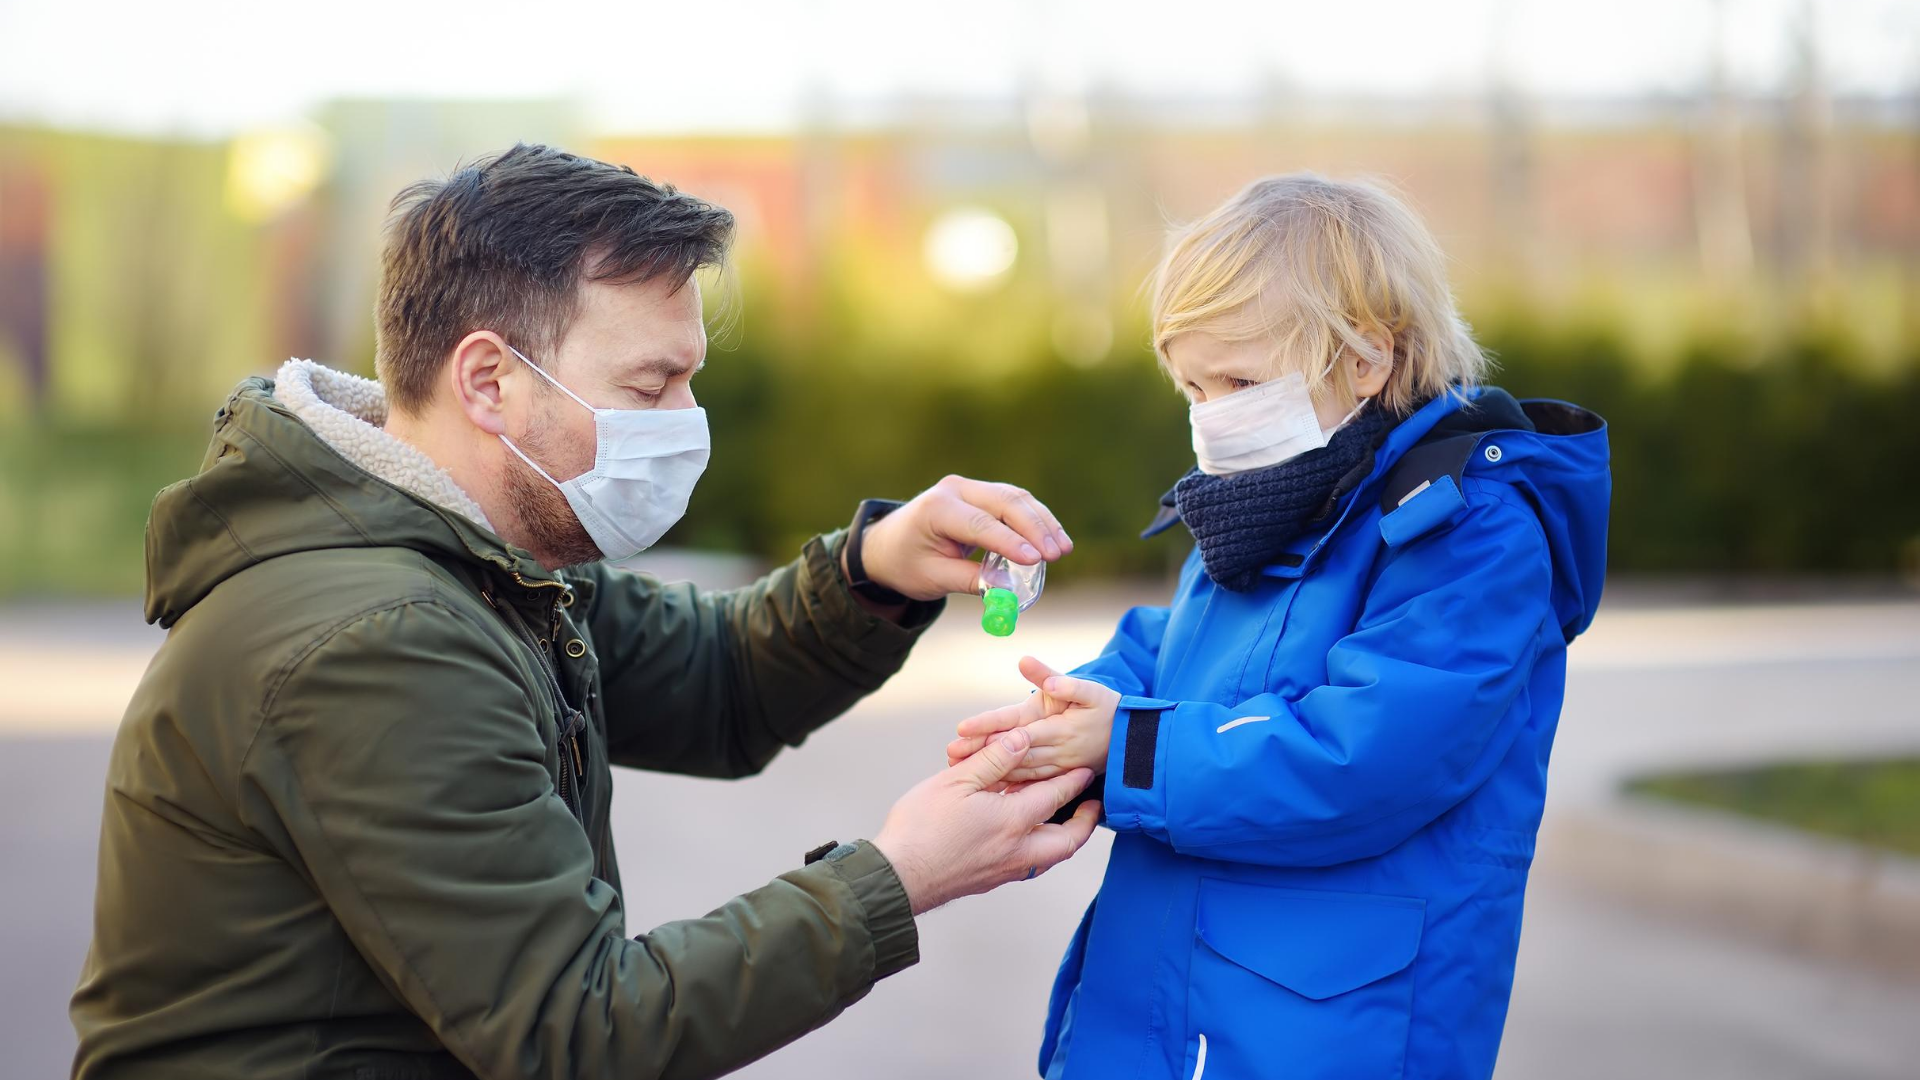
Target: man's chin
point(566, 552)
point(552, 532)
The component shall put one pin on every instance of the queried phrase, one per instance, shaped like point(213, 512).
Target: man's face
point(630, 347)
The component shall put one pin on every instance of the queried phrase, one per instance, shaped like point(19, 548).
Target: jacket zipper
point(571, 723)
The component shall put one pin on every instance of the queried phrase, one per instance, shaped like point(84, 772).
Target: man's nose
point(680, 397)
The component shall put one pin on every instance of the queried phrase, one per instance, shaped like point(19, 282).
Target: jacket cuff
point(821, 560)
point(1135, 796)
point(883, 900)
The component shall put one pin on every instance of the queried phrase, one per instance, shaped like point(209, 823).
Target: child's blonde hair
point(1317, 266)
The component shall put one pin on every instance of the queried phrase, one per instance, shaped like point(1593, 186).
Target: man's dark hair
point(504, 243)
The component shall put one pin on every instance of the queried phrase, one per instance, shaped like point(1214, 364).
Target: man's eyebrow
point(666, 368)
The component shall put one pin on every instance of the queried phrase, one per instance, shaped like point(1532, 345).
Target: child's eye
point(1241, 384)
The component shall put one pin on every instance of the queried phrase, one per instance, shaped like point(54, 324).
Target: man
point(356, 816)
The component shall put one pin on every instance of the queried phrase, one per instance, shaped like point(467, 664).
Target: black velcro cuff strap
point(1143, 742)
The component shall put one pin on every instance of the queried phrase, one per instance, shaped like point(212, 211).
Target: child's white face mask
point(1259, 427)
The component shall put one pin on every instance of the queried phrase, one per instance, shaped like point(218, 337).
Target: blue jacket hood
point(1556, 455)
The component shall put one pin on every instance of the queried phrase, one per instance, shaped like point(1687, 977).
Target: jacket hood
point(271, 485)
point(1554, 453)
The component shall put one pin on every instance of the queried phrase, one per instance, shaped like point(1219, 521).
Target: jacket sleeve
point(1417, 710)
point(717, 683)
point(400, 770)
point(1126, 664)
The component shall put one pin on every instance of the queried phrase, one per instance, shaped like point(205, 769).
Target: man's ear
point(1368, 376)
point(477, 378)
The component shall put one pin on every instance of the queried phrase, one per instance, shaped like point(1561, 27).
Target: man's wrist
point(893, 612)
point(853, 561)
point(884, 899)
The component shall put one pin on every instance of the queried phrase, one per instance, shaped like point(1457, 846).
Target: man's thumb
point(998, 758)
point(955, 576)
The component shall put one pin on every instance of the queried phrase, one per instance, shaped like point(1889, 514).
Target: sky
point(217, 67)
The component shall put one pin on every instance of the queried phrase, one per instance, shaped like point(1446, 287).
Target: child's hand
point(977, 731)
point(1070, 721)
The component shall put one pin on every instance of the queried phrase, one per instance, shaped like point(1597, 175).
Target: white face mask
point(645, 464)
point(1258, 427)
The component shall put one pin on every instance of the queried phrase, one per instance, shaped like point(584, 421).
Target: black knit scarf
point(1244, 521)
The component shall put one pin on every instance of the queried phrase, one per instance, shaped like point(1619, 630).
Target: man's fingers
point(1027, 774)
point(1044, 798)
point(994, 761)
point(954, 575)
point(966, 523)
point(1047, 846)
point(1020, 511)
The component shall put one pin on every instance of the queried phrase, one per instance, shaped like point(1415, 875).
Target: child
point(1325, 760)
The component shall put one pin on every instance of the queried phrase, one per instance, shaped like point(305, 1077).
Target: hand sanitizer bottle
point(1008, 589)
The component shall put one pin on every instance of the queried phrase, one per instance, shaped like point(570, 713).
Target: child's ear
point(1368, 376)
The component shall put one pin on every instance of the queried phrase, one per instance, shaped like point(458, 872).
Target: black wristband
point(831, 850)
point(871, 510)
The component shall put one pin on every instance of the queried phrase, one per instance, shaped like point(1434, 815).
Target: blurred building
point(175, 267)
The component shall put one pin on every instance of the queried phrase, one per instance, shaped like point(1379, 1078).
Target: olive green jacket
point(353, 830)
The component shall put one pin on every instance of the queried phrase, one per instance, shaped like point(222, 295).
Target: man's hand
point(922, 549)
point(957, 833)
point(1069, 722)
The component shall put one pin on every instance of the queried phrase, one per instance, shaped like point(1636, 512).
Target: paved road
point(1602, 992)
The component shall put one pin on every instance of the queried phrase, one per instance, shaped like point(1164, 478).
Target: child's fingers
point(1027, 774)
point(961, 749)
point(1035, 672)
point(1077, 691)
point(1043, 750)
point(1004, 718)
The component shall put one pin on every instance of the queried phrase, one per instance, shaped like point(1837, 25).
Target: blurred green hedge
point(1743, 459)
point(1734, 458)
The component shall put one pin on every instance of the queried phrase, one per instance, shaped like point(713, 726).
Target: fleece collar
point(349, 414)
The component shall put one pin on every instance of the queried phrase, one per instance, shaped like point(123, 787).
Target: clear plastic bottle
point(1008, 588)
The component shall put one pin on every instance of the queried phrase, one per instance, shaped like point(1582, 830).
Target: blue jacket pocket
point(1298, 983)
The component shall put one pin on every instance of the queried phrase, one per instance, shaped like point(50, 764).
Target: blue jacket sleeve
point(1127, 663)
point(1418, 710)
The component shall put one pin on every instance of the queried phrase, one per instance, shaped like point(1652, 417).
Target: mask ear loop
point(521, 454)
point(542, 372)
point(1347, 419)
point(531, 464)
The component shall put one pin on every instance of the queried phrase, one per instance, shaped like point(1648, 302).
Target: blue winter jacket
point(1325, 792)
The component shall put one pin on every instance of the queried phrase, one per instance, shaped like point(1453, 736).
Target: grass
point(1869, 802)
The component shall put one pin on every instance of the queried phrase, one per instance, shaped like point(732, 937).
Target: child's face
point(1207, 368)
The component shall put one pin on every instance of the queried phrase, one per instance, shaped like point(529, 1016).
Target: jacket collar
point(349, 414)
point(1403, 438)
point(270, 485)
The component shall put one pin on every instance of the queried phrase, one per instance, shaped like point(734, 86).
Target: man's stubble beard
point(553, 531)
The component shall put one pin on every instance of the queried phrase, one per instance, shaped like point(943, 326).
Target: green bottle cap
point(1003, 610)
